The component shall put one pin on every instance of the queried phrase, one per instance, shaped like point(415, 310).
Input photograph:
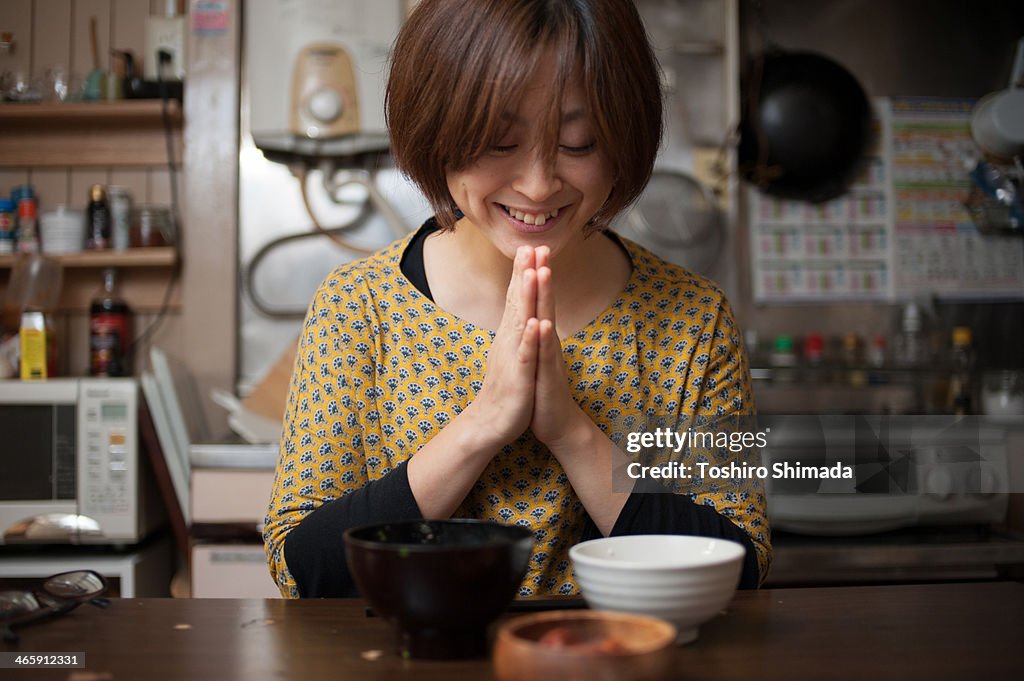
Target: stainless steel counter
point(918, 555)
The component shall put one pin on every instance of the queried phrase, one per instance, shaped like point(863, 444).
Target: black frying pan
point(806, 125)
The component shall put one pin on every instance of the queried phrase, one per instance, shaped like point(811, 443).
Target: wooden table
point(952, 631)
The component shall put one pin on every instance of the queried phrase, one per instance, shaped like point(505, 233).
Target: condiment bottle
point(877, 360)
point(912, 343)
point(120, 202)
point(7, 226)
point(784, 359)
point(110, 324)
point(961, 359)
point(28, 230)
point(33, 338)
point(97, 220)
point(814, 349)
point(853, 351)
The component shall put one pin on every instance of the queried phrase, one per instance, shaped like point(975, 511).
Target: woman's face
point(516, 198)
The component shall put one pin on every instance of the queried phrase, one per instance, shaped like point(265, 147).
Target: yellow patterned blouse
point(380, 370)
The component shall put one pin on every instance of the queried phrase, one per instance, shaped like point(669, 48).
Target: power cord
point(165, 58)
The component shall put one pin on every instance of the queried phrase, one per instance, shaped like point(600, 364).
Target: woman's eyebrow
point(567, 117)
point(574, 115)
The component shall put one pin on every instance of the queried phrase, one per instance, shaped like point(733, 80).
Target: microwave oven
point(71, 470)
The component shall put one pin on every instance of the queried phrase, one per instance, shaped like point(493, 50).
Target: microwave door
point(38, 478)
point(38, 459)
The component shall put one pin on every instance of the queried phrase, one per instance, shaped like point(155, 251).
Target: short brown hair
point(458, 65)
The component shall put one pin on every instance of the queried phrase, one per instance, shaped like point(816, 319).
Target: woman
point(481, 367)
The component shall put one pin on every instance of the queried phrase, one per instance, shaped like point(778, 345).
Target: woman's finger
point(545, 295)
point(529, 345)
point(527, 306)
point(514, 313)
point(512, 292)
point(542, 254)
point(549, 348)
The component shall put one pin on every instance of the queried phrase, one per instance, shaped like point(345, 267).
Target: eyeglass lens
point(14, 603)
point(78, 584)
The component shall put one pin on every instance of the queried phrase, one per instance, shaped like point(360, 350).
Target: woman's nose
point(537, 178)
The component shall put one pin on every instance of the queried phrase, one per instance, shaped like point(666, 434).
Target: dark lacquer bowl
point(440, 582)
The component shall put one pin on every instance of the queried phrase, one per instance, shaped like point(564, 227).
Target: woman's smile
point(532, 221)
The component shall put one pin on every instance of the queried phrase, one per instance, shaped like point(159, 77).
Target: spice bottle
point(7, 225)
point(784, 360)
point(853, 360)
point(912, 344)
point(876, 359)
point(97, 220)
point(28, 229)
point(110, 324)
point(961, 362)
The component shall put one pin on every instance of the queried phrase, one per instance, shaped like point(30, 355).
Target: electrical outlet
point(165, 34)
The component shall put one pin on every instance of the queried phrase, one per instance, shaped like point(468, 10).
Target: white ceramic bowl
point(686, 580)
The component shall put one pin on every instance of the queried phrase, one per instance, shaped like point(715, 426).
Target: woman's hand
point(584, 451)
point(505, 404)
point(526, 384)
point(556, 416)
point(444, 470)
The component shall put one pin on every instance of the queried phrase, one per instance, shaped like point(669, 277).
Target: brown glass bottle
point(110, 329)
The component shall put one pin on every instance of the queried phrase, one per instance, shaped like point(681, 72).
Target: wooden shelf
point(127, 133)
point(125, 111)
point(144, 275)
point(164, 256)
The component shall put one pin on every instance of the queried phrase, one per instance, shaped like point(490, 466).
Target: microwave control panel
point(109, 473)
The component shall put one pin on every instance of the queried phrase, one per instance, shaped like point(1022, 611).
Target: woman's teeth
point(530, 218)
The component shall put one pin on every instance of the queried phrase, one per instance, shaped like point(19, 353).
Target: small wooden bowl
point(643, 650)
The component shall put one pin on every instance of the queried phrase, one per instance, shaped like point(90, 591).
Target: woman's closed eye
point(578, 150)
point(575, 150)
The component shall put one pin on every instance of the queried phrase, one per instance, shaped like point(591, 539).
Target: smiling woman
point(486, 366)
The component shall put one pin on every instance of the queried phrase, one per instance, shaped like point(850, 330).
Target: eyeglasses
point(58, 595)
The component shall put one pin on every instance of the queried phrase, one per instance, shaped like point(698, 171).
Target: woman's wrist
point(578, 435)
point(476, 433)
point(443, 471)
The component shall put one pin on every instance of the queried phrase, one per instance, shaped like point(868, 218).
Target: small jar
point(151, 226)
point(1002, 392)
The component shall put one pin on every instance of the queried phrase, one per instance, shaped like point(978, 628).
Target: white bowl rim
point(733, 551)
